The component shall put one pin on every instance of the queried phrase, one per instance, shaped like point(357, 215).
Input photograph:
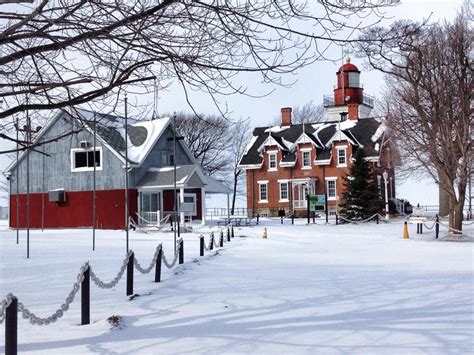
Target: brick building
point(286, 162)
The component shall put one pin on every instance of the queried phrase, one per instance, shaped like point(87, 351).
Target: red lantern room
point(348, 90)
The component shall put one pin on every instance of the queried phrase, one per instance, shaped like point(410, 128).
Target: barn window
point(83, 159)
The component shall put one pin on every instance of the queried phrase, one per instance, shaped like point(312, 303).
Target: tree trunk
point(443, 202)
point(458, 217)
point(234, 193)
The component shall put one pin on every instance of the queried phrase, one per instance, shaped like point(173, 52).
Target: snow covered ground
point(306, 289)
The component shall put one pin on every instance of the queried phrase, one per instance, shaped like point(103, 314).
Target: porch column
point(181, 201)
point(203, 205)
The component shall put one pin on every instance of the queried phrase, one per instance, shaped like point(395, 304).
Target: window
point(331, 189)
point(263, 192)
point(283, 191)
point(306, 161)
point(167, 159)
point(341, 157)
point(83, 159)
point(272, 163)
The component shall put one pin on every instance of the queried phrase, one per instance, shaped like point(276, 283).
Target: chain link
point(153, 262)
point(6, 302)
point(357, 222)
point(206, 248)
point(34, 319)
point(117, 278)
point(173, 263)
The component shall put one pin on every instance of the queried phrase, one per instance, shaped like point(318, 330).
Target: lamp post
point(385, 179)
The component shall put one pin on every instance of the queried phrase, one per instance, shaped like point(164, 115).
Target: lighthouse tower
point(348, 100)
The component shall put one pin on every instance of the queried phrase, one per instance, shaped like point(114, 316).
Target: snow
point(250, 144)
point(276, 129)
point(378, 133)
point(347, 124)
point(306, 289)
point(166, 168)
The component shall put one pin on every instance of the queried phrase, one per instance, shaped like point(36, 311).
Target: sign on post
point(317, 203)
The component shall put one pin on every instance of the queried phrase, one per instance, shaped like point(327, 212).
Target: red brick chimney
point(353, 113)
point(286, 116)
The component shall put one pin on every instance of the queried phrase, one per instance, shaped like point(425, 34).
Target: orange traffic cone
point(264, 236)
point(405, 231)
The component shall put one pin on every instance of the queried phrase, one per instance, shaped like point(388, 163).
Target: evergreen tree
point(361, 198)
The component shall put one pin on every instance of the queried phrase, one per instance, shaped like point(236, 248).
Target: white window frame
point(339, 149)
point(85, 150)
point(272, 154)
point(281, 183)
point(334, 179)
point(260, 183)
point(303, 166)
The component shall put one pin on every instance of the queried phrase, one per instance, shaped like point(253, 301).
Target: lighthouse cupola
point(348, 99)
point(348, 89)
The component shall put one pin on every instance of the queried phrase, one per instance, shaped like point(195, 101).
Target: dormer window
point(272, 161)
point(83, 159)
point(341, 157)
point(306, 159)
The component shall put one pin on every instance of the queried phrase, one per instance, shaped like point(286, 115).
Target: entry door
point(150, 202)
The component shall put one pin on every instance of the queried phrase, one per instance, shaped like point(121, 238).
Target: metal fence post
point(86, 297)
point(228, 234)
point(337, 219)
point(130, 274)
point(181, 251)
point(158, 266)
point(232, 231)
point(293, 218)
point(11, 328)
point(377, 218)
point(437, 227)
point(201, 245)
point(211, 247)
point(221, 240)
point(421, 228)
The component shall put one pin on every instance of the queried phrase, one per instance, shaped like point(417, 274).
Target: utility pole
point(126, 170)
point(28, 135)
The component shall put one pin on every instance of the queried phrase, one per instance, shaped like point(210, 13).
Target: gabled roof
point(164, 177)
point(366, 133)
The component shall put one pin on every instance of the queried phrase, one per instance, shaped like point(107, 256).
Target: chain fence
point(115, 281)
point(152, 264)
point(359, 221)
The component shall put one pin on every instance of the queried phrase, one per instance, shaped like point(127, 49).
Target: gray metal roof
point(165, 176)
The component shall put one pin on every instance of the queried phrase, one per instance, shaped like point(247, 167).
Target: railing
point(300, 203)
point(328, 101)
point(149, 218)
point(224, 212)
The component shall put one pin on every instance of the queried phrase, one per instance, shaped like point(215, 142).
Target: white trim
point(72, 153)
point(283, 180)
point(303, 166)
point(275, 155)
point(262, 182)
point(341, 148)
point(251, 166)
point(331, 178)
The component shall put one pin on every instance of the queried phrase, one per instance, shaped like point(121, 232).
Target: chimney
point(353, 111)
point(286, 117)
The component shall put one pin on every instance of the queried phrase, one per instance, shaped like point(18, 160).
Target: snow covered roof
point(365, 134)
point(142, 135)
point(164, 177)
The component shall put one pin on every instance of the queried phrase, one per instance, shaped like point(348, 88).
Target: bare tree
point(309, 112)
point(429, 88)
point(207, 136)
point(240, 134)
point(62, 53)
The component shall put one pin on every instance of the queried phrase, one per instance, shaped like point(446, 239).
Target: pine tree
point(361, 198)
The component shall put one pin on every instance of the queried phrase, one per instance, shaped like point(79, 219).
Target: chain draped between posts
point(360, 221)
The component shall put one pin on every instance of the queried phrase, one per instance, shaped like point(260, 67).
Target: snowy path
point(316, 289)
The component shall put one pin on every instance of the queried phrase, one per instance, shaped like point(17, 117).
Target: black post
point(86, 297)
point(11, 328)
point(212, 241)
point(417, 228)
point(281, 219)
point(221, 241)
point(307, 207)
point(293, 218)
point(181, 252)
point(158, 266)
point(377, 218)
point(337, 219)
point(326, 207)
point(437, 227)
point(228, 234)
point(201, 245)
point(421, 228)
point(232, 230)
point(314, 217)
point(130, 274)
point(258, 216)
